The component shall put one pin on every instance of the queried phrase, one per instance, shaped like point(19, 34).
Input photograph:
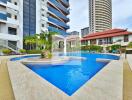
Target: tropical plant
point(30, 41)
point(34, 51)
point(92, 48)
point(130, 45)
point(23, 51)
point(7, 51)
point(40, 41)
point(115, 47)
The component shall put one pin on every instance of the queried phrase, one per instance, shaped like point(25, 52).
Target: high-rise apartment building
point(45, 15)
point(11, 19)
point(100, 15)
point(19, 18)
point(84, 31)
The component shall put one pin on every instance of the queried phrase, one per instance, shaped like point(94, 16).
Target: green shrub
point(33, 51)
point(130, 45)
point(7, 51)
point(115, 47)
point(92, 48)
point(23, 51)
point(49, 55)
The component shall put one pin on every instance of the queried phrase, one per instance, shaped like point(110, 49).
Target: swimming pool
point(70, 76)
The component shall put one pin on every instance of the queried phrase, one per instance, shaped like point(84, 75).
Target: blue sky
point(121, 14)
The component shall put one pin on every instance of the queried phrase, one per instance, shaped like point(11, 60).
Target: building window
point(92, 42)
point(126, 38)
point(15, 16)
point(15, 3)
point(100, 42)
point(42, 25)
point(12, 31)
point(9, 15)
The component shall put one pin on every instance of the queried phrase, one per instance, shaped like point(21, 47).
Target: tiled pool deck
point(105, 85)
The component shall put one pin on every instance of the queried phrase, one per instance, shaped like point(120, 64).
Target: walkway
point(127, 80)
point(6, 92)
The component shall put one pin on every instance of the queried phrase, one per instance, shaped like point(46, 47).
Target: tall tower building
point(100, 15)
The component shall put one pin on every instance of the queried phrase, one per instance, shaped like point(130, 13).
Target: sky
point(121, 14)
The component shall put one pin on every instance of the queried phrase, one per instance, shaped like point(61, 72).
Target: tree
point(41, 41)
point(30, 41)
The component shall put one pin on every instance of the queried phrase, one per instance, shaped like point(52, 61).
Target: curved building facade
point(100, 15)
point(45, 15)
point(58, 10)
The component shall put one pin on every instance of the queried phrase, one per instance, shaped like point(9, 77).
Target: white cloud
point(78, 14)
point(122, 14)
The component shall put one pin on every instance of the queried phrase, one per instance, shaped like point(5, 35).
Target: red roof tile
point(108, 33)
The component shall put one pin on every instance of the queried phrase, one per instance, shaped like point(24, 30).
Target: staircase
point(10, 46)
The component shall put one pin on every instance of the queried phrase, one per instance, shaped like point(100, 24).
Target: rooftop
point(107, 33)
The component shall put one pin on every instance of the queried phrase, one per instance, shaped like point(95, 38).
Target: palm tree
point(41, 41)
point(30, 41)
point(45, 40)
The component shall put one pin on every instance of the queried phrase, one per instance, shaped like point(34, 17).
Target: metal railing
point(60, 6)
point(57, 13)
point(65, 2)
point(10, 46)
point(50, 28)
point(57, 22)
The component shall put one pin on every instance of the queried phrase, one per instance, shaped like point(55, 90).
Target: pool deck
point(6, 91)
point(129, 58)
point(105, 85)
point(113, 82)
point(127, 80)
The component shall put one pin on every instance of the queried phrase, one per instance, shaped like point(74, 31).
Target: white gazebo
point(60, 42)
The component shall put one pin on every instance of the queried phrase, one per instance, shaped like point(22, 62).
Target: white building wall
point(20, 42)
point(13, 23)
point(130, 38)
point(41, 16)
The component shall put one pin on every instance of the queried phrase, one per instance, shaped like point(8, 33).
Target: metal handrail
point(10, 46)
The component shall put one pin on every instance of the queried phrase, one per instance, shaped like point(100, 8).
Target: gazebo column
point(65, 46)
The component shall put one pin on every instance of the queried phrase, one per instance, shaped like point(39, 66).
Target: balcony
point(57, 22)
point(60, 6)
point(9, 37)
point(65, 2)
point(53, 29)
point(12, 21)
point(3, 16)
point(13, 6)
point(57, 13)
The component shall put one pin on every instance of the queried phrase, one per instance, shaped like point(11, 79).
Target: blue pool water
point(22, 57)
point(70, 76)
